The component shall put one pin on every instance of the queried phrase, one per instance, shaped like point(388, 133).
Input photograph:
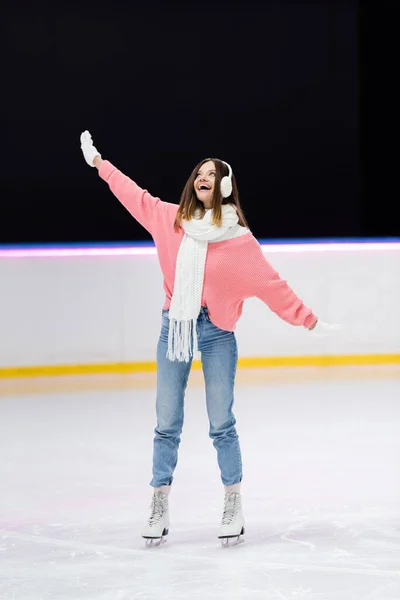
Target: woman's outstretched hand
point(90, 153)
point(321, 329)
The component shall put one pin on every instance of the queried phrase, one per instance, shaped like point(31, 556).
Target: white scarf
point(189, 278)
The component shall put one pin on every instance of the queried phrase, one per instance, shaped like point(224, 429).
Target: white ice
point(321, 491)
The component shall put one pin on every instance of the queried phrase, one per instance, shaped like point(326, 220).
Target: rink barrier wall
point(243, 363)
point(96, 308)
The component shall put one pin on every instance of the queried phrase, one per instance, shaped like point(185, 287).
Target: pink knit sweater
point(236, 269)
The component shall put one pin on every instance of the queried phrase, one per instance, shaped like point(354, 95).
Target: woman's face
point(204, 183)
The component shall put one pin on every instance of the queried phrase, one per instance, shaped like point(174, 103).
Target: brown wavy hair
point(189, 202)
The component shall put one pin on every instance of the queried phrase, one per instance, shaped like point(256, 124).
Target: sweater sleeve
point(269, 287)
point(141, 205)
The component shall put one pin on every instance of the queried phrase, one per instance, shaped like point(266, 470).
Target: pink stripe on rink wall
point(151, 250)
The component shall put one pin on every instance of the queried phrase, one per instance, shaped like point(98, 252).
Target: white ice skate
point(232, 524)
point(157, 526)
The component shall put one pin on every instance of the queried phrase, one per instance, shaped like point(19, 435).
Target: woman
point(211, 263)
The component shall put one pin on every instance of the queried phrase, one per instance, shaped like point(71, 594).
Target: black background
point(284, 91)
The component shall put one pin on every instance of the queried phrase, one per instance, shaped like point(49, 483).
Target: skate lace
point(231, 507)
point(157, 509)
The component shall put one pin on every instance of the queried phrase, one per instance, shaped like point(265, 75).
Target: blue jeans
point(219, 360)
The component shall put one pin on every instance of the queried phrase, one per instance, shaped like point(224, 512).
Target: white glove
point(89, 151)
point(322, 329)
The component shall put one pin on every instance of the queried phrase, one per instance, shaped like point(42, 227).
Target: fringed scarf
point(189, 278)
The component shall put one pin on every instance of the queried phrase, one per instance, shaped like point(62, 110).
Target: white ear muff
point(226, 183)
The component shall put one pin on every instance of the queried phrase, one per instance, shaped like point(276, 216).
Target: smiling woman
point(211, 174)
point(211, 264)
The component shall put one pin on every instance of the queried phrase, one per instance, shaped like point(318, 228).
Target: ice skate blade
point(156, 541)
point(232, 540)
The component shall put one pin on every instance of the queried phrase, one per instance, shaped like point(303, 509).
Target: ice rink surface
point(321, 490)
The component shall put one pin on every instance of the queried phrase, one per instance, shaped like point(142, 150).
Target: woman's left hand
point(321, 329)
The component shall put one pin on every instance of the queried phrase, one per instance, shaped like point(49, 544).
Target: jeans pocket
point(206, 315)
point(164, 326)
